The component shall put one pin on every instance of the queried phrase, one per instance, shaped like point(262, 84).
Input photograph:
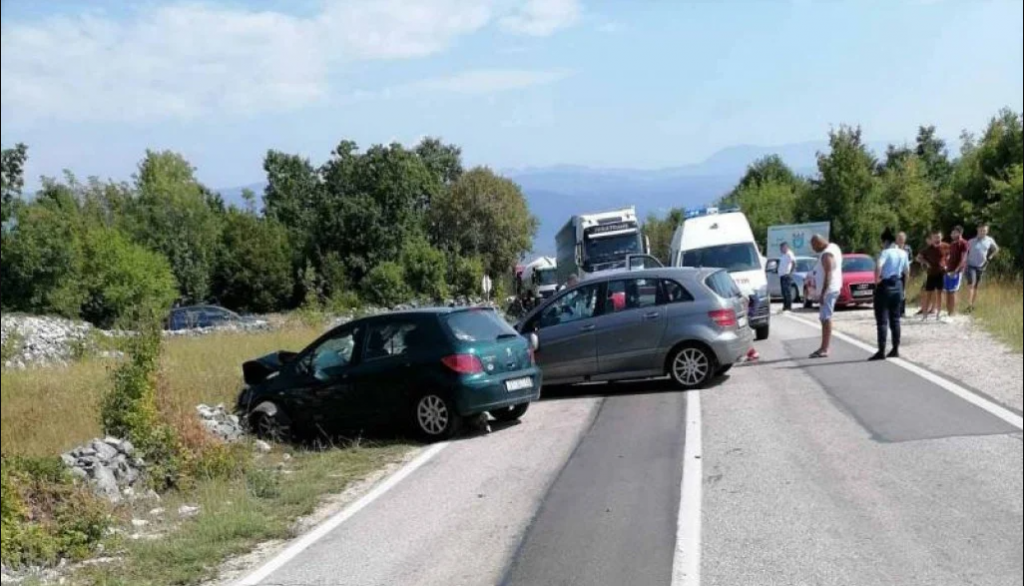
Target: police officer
point(890, 273)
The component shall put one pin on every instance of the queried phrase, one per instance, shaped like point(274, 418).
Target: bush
point(425, 270)
point(344, 301)
point(129, 410)
point(10, 348)
point(46, 517)
point(468, 274)
point(386, 286)
point(121, 279)
point(253, 271)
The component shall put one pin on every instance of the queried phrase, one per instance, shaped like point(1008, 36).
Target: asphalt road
point(815, 473)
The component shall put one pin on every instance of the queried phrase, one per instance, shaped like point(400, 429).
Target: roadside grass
point(45, 412)
point(1000, 309)
point(237, 515)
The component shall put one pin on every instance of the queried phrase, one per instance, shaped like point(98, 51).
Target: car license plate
point(862, 293)
point(519, 384)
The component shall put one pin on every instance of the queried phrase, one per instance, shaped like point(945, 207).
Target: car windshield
point(858, 264)
point(735, 258)
point(611, 248)
point(805, 265)
point(481, 325)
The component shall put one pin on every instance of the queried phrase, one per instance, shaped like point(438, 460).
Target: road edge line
point(327, 527)
point(982, 403)
point(686, 566)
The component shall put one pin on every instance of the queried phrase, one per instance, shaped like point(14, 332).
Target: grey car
point(690, 324)
point(804, 266)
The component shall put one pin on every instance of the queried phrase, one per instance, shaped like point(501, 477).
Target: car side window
point(393, 339)
point(334, 354)
point(576, 305)
point(630, 294)
point(675, 293)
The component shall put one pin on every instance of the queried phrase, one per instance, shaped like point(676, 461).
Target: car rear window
point(723, 285)
point(859, 264)
point(478, 326)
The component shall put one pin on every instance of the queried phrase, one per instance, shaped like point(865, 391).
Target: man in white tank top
point(828, 276)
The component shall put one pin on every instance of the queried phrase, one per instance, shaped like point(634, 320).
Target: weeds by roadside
point(1000, 309)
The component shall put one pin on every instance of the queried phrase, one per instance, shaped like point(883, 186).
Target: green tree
point(467, 274)
point(122, 280)
point(1008, 214)
point(485, 216)
point(426, 270)
point(12, 177)
point(292, 196)
point(848, 193)
point(386, 286)
point(908, 191)
point(254, 264)
point(933, 154)
point(172, 215)
point(659, 232)
point(444, 161)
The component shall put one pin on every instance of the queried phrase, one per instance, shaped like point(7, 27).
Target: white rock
point(262, 447)
point(140, 523)
point(187, 511)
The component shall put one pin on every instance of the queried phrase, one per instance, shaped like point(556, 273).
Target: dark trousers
point(786, 282)
point(903, 296)
point(888, 304)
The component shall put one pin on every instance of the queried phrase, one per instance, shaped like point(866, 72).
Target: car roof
point(656, 273)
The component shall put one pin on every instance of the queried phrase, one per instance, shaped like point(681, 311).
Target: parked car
point(204, 316)
point(858, 283)
point(690, 324)
point(804, 267)
point(427, 370)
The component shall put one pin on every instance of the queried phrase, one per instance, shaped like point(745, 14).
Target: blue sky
point(516, 83)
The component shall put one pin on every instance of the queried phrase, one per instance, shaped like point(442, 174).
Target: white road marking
point(687, 563)
point(333, 523)
point(972, 398)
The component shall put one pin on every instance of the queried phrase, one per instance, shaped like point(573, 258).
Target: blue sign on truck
point(798, 236)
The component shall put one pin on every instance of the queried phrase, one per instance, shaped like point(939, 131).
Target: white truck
point(541, 275)
point(592, 243)
point(798, 236)
point(723, 239)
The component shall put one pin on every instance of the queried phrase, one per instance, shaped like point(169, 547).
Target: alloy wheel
point(691, 367)
point(433, 415)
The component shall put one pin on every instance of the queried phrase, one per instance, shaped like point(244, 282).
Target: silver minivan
point(689, 324)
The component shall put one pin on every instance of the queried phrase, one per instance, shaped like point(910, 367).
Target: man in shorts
point(956, 263)
point(828, 277)
point(933, 259)
point(981, 251)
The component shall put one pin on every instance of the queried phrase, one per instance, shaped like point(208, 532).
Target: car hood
point(259, 370)
point(858, 278)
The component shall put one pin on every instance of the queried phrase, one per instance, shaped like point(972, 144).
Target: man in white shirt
point(828, 279)
point(981, 251)
point(787, 266)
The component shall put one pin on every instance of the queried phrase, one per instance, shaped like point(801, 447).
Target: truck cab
point(713, 238)
point(599, 242)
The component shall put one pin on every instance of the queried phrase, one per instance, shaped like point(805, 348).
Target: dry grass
point(45, 412)
point(1001, 311)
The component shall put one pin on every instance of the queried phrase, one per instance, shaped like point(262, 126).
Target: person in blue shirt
point(891, 271)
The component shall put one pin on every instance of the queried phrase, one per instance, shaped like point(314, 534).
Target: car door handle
point(588, 328)
point(653, 315)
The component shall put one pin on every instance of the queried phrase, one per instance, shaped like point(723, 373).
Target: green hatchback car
point(427, 370)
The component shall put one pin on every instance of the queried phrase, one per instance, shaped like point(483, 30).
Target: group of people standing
point(946, 265)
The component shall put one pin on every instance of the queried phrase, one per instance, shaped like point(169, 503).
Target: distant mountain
point(556, 193)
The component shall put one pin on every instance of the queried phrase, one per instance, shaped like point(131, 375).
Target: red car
point(858, 283)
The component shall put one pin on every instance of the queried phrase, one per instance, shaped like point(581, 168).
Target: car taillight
point(463, 364)
point(724, 318)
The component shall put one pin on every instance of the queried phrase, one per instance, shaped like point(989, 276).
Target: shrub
point(386, 286)
point(344, 301)
point(121, 278)
point(46, 516)
point(263, 483)
point(129, 410)
point(468, 273)
point(254, 270)
point(425, 270)
point(11, 347)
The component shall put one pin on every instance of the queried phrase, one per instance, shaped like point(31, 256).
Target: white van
point(713, 239)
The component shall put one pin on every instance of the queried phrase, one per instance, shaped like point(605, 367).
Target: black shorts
point(935, 283)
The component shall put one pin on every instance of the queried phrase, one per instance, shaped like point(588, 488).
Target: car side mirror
point(534, 341)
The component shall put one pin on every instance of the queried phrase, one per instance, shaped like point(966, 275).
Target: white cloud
point(541, 18)
point(188, 59)
point(484, 81)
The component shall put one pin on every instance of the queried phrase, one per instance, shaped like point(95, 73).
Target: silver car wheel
point(691, 367)
point(433, 415)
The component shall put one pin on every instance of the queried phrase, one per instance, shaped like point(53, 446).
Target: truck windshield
point(735, 258)
point(545, 278)
point(611, 249)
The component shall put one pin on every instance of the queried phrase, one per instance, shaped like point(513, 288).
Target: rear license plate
point(862, 293)
point(519, 384)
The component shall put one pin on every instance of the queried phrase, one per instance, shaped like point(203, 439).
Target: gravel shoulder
point(956, 348)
